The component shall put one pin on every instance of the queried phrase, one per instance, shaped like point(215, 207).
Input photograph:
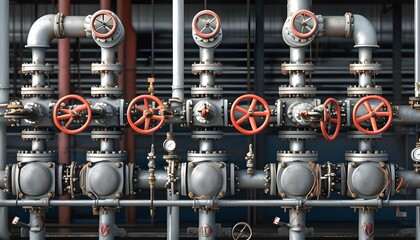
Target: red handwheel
point(373, 115)
point(250, 114)
point(206, 24)
point(64, 117)
point(304, 23)
point(150, 117)
point(328, 121)
point(103, 24)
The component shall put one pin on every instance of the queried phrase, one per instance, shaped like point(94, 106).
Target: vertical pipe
point(397, 55)
point(106, 224)
point(418, 216)
point(366, 224)
point(178, 49)
point(297, 145)
point(64, 212)
point(365, 145)
point(107, 57)
point(297, 220)
point(37, 224)
point(127, 54)
point(38, 57)
point(206, 225)
point(206, 145)
point(416, 48)
point(4, 98)
point(172, 223)
point(105, 4)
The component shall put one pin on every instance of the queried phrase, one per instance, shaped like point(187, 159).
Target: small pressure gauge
point(415, 154)
point(169, 145)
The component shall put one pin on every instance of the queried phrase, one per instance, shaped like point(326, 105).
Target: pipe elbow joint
point(42, 32)
point(364, 34)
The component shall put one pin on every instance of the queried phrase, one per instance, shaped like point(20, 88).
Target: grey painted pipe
point(254, 181)
point(417, 48)
point(366, 224)
point(418, 216)
point(377, 203)
point(364, 34)
point(293, 6)
point(37, 224)
point(411, 180)
point(42, 30)
point(143, 182)
point(4, 98)
point(172, 222)
point(178, 49)
point(108, 57)
point(406, 115)
point(334, 26)
point(206, 224)
point(107, 224)
point(297, 219)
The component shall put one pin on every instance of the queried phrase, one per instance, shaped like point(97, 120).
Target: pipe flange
point(357, 135)
point(101, 91)
point(214, 156)
point(211, 134)
point(38, 134)
point(358, 91)
point(42, 91)
point(59, 25)
point(374, 156)
point(204, 92)
point(98, 68)
point(296, 68)
point(348, 30)
point(35, 68)
point(291, 91)
point(99, 134)
point(198, 68)
point(293, 156)
point(372, 68)
point(297, 135)
point(36, 156)
point(100, 156)
point(6, 179)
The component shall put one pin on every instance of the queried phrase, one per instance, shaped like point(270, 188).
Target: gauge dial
point(169, 145)
point(415, 154)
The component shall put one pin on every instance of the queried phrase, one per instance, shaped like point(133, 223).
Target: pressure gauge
point(169, 145)
point(415, 154)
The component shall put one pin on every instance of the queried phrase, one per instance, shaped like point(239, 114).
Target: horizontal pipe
point(143, 182)
point(334, 26)
point(406, 115)
point(410, 179)
point(377, 203)
point(247, 181)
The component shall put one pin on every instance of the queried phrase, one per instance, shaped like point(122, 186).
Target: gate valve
point(250, 114)
point(206, 24)
point(328, 120)
point(304, 24)
point(103, 24)
point(64, 115)
point(373, 114)
point(151, 118)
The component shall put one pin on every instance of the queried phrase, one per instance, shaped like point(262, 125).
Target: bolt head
point(191, 194)
point(282, 194)
point(191, 165)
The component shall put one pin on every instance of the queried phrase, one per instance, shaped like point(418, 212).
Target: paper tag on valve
point(15, 220)
point(276, 221)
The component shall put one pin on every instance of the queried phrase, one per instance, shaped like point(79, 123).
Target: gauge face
point(169, 145)
point(415, 154)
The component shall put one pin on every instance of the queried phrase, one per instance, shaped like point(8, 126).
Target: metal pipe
point(37, 224)
point(406, 115)
point(297, 55)
point(418, 216)
point(206, 145)
point(293, 6)
point(297, 218)
point(206, 224)
point(107, 145)
point(376, 203)
point(247, 181)
point(417, 48)
point(172, 223)
point(108, 57)
point(364, 34)
point(160, 182)
point(4, 99)
point(365, 145)
point(107, 223)
point(105, 4)
point(38, 145)
point(64, 212)
point(178, 49)
point(366, 224)
point(38, 57)
point(334, 26)
point(297, 145)
point(410, 179)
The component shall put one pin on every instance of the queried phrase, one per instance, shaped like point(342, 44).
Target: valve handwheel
point(206, 24)
point(64, 117)
point(373, 115)
point(250, 114)
point(241, 230)
point(103, 24)
point(149, 118)
point(328, 121)
point(304, 23)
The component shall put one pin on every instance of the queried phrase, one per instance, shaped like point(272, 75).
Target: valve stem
point(250, 160)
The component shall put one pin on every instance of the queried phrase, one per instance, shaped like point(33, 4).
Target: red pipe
point(64, 212)
point(127, 80)
point(105, 4)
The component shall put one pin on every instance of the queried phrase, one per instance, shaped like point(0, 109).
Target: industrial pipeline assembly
point(237, 120)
